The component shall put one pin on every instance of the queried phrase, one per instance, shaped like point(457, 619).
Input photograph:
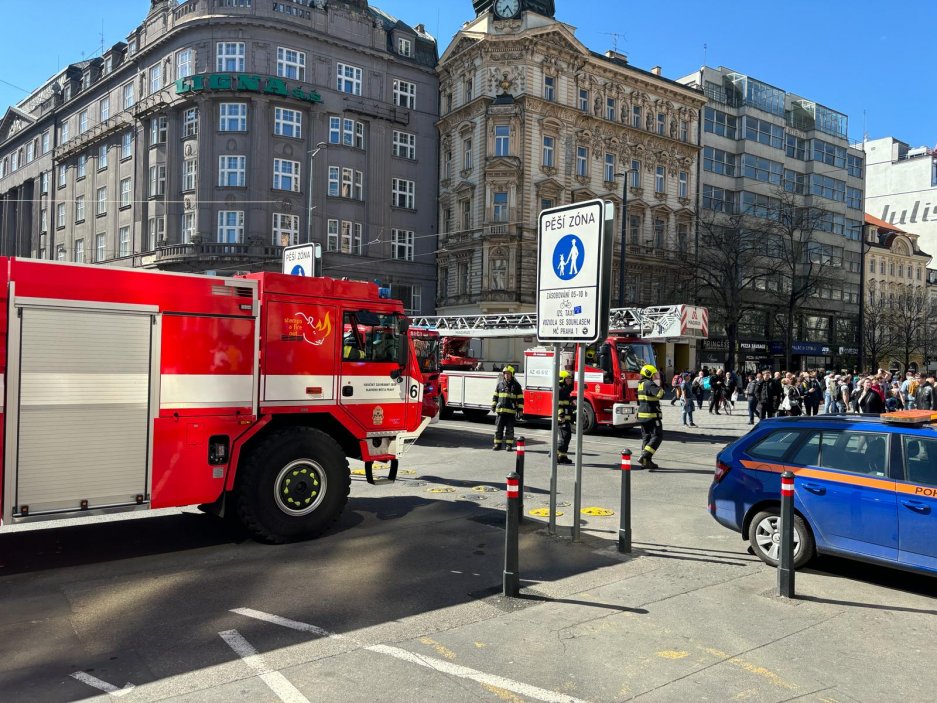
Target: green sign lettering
point(244, 82)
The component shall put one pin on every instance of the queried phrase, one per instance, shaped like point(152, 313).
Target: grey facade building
point(762, 144)
point(195, 145)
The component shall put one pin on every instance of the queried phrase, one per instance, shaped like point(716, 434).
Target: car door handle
point(917, 506)
point(815, 488)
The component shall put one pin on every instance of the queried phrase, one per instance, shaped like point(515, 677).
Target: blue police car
point(865, 487)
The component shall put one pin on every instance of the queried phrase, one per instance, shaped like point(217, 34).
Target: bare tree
point(878, 330)
point(731, 265)
point(909, 310)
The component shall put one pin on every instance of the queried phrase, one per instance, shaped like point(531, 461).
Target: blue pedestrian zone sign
point(567, 257)
point(573, 271)
point(298, 270)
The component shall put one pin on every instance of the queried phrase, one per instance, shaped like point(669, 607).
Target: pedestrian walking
point(566, 408)
point(507, 403)
point(810, 390)
point(751, 394)
point(869, 401)
point(677, 385)
point(924, 400)
point(697, 387)
point(688, 401)
point(717, 389)
point(649, 415)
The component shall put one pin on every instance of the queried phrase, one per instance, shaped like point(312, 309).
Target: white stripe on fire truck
point(205, 390)
point(300, 387)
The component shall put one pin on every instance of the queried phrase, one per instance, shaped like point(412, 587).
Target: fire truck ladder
point(643, 322)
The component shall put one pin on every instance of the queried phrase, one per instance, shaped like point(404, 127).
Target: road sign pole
point(580, 381)
point(551, 525)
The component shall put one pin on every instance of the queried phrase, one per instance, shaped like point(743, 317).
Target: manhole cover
point(472, 497)
point(562, 504)
point(441, 489)
point(484, 489)
point(602, 512)
point(543, 512)
point(412, 483)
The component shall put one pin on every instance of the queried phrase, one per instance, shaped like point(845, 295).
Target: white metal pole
point(580, 393)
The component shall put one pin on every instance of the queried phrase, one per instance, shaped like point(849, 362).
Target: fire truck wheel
point(475, 414)
point(445, 412)
point(588, 418)
point(293, 485)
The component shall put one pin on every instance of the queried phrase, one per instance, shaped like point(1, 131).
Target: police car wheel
point(765, 538)
point(292, 485)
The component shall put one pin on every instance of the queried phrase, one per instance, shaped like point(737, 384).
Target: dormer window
point(404, 47)
point(108, 64)
point(132, 46)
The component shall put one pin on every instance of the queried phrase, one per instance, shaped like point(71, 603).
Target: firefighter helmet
point(508, 369)
point(648, 371)
point(564, 375)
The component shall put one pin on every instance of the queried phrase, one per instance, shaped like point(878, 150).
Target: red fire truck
point(612, 367)
point(127, 390)
point(425, 349)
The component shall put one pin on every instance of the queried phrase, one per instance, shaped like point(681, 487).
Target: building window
point(44, 182)
point(469, 89)
point(881, 267)
point(233, 117)
point(100, 247)
point(764, 132)
point(854, 166)
point(549, 147)
point(287, 123)
point(63, 133)
point(344, 236)
point(549, 88)
point(634, 229)
point(404, 94)
point(232, 171)
point(467, 154)
point(584, 100)
point(502, 140)
point(499, 202)
point(291, 64)
point(101, 198)
point(404, 145)
point(348, 79)
point(404, 47)
point(286, 175)
point(683, 237)
point(158, 128)
point(188, 227)
point(126, 145)
point(60, 252)
point(62, 172)
point(190, 122)
point(79, 209)
point(189, 174)
point(609, 168)
point(47, 141)
point(582, 161)
point(410, 296)
point(102, 157)
point(82, 170)
point(230, 57)
point(346, 183)
point(827, 187)
point(636, 116)
point(610, 109)
point(82, 122)
point(346, 131)
point(684, 184)
point(635, 174)
point(718, 122)
point(123, 241)
point(718, 199)
point(184, 63)
point(155, 232)
point(447, 163)
point(796, 147)
point(157, 181)
point(335, 178)
point(854, 198)
point(659, 177)
point(127, 92)
point(126, 197)
point(403, 193)
point(447, 220)
point(661, 123)
point(230, 226)
point(761, 169)
point(285, 229)
point(684, 131)
point(830, 154)
point(465, 207)
point(402, 244)
point(659, 228)
point(156, 78)
point(60, 215)
point(718, 161)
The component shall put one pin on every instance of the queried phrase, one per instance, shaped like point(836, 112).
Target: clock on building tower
point(509, 9)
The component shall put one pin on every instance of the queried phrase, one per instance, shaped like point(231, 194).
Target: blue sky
point(856, 57)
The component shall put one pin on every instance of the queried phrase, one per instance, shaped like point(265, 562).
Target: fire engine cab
point(612, 369)
point(127, 390)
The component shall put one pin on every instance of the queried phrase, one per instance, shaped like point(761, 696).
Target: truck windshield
point(427, 353)
point(370, 336)
point(633, 355)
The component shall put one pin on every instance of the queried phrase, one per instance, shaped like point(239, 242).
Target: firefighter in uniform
point(507, 403)
point(564, 418)
point(649, 415)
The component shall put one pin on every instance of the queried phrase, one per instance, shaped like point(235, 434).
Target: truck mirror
point(397, 375)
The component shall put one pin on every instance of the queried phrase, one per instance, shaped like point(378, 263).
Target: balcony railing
point(212, 251)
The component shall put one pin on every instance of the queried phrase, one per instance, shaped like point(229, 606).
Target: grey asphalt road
point(401, 601)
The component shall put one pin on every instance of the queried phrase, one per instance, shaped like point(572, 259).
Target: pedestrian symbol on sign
point(298, 270)
point(567, 257)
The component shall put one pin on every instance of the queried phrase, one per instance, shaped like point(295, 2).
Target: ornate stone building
point(530, 118)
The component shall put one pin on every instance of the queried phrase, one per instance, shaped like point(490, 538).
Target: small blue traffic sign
point(567, 257)
point(298, 270)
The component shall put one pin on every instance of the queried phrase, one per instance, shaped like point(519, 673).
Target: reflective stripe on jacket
point(649, 396)
point(566, 403)
point(508, 397)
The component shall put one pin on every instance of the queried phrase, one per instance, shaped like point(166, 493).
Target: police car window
point(774, 446)
point(857, 452)
point(808, 452)
point(920, 459)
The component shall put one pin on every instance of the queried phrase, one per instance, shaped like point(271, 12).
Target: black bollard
point(624, 519)
point(511, 577)
point(519, 470)
point(786, 528)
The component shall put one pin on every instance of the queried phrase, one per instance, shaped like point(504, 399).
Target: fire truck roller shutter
point(83, 408)
point(292, 485)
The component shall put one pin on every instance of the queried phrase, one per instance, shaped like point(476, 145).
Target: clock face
point(507, 8)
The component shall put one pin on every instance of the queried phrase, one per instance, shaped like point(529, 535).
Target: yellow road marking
point(752, 668)
point(440, 649)
point(673, 654)
point(503, 694)
point(543, 512)
point(441, 489)
point(593, 510)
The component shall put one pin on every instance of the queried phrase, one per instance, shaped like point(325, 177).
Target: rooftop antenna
point(705, 52)
point(614, 36)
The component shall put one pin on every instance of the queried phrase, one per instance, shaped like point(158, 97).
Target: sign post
point(573, 272)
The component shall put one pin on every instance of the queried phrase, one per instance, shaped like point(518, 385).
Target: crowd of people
point(777, 393)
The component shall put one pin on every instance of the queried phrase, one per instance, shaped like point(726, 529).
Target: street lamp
point(624, 229)
point(312, 154)
point(861, 327)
